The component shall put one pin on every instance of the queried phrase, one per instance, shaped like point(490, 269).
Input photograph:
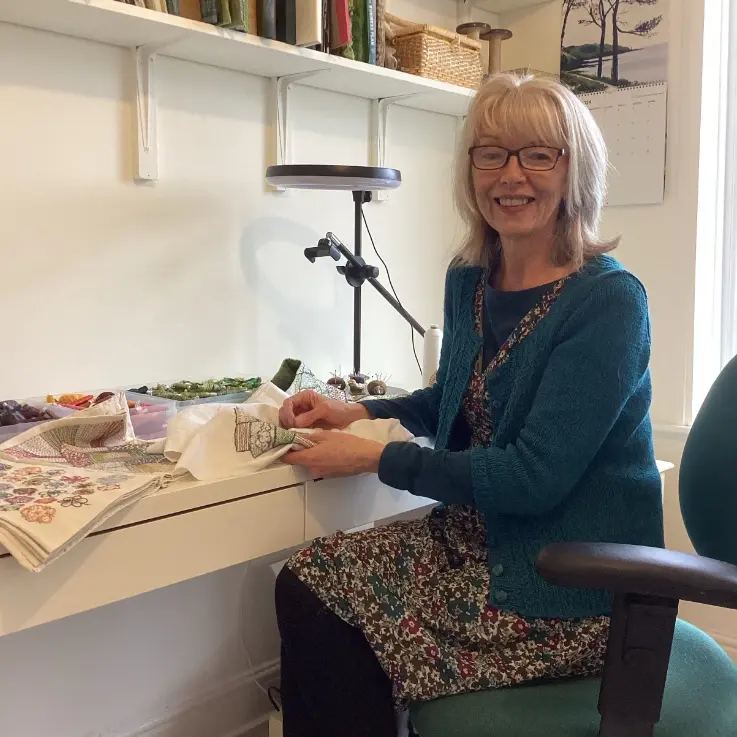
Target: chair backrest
point(708, 475)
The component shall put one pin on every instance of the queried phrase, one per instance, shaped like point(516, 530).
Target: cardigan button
point(497, 570)
point(496, 404)
point(500, 596)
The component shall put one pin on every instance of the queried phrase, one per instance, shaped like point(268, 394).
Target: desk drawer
point(128, 561)
point(341, 504)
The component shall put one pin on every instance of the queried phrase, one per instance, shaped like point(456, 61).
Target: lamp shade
point(333, 177)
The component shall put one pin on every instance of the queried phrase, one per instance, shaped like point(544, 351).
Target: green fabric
point(708, 473)
point(572, 457)
point(286, 374)
point(700, 701)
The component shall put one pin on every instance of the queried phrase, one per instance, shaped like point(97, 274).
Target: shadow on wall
point(292, 300)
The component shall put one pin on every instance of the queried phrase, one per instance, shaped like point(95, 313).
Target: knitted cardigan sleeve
point(600, 360)
point(419, 411)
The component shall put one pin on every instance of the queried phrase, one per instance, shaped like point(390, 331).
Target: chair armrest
point(635, 569)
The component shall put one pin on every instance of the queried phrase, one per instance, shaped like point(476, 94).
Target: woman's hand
point(337, 454)
point(309, 409)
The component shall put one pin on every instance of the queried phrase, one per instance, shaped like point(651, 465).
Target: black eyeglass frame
point(515, 152)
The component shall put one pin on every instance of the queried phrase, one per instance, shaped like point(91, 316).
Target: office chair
point(662, 677)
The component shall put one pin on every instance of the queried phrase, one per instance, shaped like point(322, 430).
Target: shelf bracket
point(281, 143)
point(379, 115)
point(147, 165)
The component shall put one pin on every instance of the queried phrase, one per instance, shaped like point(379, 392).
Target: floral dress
point(419, 590)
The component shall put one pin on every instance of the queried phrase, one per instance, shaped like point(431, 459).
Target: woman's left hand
point(337, 454)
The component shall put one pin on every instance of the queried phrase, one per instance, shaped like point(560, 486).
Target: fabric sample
point(214, 442)
point(98, 443)
point(47, 510)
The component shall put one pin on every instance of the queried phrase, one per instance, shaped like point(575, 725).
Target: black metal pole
point(358, 199)
point(396, 305)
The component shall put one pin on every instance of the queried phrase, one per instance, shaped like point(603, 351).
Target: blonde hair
point(537, 109)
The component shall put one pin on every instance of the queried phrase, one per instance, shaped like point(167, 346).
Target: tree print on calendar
point(606, 44)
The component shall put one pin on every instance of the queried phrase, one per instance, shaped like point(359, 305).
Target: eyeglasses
point(533, 158)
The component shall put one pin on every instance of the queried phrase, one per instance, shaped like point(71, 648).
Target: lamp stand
point(357, 272)
point(359, 198)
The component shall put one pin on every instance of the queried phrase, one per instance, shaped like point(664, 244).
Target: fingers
point(302, 458)
point(295, 406)
point(286, 414)
point(311, 418)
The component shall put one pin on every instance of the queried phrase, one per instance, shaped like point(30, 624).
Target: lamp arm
point(333, 242)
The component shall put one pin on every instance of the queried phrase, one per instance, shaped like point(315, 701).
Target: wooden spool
point(495, 37)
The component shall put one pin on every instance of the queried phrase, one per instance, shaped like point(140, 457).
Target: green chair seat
point(700, 701)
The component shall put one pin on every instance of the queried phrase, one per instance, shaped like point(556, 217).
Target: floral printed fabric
point(46, 510)
point(419, 590)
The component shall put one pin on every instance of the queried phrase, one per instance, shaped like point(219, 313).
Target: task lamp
point(362, 181)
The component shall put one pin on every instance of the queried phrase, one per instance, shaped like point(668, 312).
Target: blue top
point(502, 313)
point(572, 456)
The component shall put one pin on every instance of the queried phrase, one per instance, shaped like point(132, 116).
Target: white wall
point(535, 43)
point(196, 273)
point(106, 282)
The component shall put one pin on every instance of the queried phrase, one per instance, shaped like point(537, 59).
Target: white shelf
point(119, 24)
point(506, 6)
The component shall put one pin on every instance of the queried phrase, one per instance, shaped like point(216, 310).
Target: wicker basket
point(435, 53)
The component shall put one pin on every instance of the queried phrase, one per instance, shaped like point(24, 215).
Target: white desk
point(191, 529)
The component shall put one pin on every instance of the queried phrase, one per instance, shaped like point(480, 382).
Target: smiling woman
point(538, 142)
point(540, 415)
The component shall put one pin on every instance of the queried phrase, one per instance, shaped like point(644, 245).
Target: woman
point(540, 415)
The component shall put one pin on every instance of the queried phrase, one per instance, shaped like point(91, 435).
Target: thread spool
point(495, 37)
point(431, 354)
point(473, 30)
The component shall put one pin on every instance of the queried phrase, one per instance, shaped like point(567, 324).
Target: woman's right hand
point(309, 409)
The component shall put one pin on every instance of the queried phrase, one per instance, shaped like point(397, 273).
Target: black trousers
point(332, 685)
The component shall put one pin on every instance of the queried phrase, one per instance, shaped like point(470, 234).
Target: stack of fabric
point(47, 510)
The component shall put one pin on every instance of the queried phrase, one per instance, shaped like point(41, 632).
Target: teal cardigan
point(572, 456)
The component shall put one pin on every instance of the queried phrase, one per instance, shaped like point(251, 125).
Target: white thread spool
point(431, 354)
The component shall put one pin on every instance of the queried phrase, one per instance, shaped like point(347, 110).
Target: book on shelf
point(224, 18)
point(286, 21)
point(325, 26)
point(309, 22)
point(340, 25)
point(380, 33)
point(253, 16)
point(267, 19)
point(371, 30)
point(238, 15)
point(360, 29)
point(350, 28)
point(190, 9)
point(209, 11)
